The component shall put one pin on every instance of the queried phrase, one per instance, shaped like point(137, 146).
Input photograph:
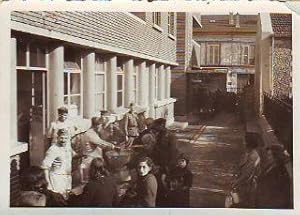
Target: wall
point(282, 67)
point(115, 29)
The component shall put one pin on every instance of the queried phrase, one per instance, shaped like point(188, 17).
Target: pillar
point(13, 95)
point(89, 85)
point(142, 84)
point(151, 90)
point(168, 82)
point(112, 82)
point(128, 70)
point(161, 83)
point(56, 80)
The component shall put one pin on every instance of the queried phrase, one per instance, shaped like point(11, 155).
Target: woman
point(100, 191)
point(146, 187)
point(274, 184)
point(143, 192)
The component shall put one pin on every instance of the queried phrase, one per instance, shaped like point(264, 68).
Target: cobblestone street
point(214, 148)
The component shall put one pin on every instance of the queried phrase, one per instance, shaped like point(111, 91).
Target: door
point(31, 93)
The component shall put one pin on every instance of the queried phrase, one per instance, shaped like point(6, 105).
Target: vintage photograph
point(151, 109)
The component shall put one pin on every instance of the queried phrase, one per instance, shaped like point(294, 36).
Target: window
point(31, 55)
point(100, 85)
point(213, 54)
point(156, 18)
point(171, 23)
point(120, 84)
point(252, 55)
point(72, 83)
point(135, 84)
point(245, 55)
point(156, 84)
point(248, 55)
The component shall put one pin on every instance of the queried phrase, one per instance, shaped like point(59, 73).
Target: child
point(180, 181)
point(58, 164)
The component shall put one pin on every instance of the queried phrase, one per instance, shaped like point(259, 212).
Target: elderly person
point(274, 184)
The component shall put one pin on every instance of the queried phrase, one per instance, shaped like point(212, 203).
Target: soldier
point(131, 126)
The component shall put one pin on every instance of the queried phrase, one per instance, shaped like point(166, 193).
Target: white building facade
point(89, 62)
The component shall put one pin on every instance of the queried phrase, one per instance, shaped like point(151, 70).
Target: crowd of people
point(159, 173)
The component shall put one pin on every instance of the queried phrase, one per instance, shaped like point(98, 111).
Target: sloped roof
point(281, 24)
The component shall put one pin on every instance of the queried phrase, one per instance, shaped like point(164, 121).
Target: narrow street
point(214, 148)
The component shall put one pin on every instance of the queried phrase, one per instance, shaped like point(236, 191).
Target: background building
point(87, 61)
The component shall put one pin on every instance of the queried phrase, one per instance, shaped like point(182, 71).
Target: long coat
point(274, 188)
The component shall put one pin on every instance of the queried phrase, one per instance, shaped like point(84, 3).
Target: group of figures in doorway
point(137, 166)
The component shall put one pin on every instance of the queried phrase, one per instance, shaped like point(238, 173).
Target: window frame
point(216, 49)
point(156, 21)
point(103, 92)
point(171, 23)
point(79, 62)
point(135, 83)
point(120, 72)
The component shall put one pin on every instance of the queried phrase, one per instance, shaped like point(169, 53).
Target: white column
point(56, 80)
point(151, 90)
point(5, 89)
point(13, 95)
point(168, 82)
point(128, 69)
point(89, 85)
point(142, 84)
point(111, 82)
point(161, 83)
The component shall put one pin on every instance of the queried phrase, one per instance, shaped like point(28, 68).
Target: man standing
point(61, 123)
point(93, 134)
point(131, 126)
point(58, 164)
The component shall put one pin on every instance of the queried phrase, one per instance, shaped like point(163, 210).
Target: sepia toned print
point(152, 109)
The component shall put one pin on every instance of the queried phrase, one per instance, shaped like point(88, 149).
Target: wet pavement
point(214, 147)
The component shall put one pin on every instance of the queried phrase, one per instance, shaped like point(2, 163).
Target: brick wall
point(282, 68)
point(115, 29)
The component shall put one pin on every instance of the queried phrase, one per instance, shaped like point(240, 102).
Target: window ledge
point(18, 148)
point(157, 27)
point(171, 36)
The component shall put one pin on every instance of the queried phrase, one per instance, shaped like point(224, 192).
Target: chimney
point(231, 20)
point(237, 20)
